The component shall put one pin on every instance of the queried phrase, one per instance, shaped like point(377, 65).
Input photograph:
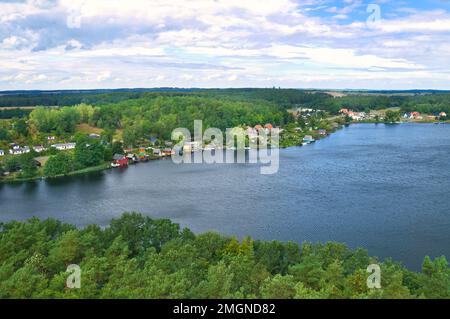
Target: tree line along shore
point(139, 257)
point(47, 141)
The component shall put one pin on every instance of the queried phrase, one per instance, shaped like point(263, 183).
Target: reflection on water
point(384, 188)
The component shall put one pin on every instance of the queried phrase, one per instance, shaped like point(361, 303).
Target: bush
point(59, 164)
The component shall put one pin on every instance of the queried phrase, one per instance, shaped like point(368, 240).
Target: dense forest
point(152, 115)
point(138, 257)
point(426, 102)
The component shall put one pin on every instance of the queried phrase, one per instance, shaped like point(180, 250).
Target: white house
point(17, 150)
point(252, 133)
point(2, 153)
point(38, 148)
point(192, 146)
point(64, 146)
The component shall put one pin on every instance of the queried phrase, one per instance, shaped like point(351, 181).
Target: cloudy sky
point(384, 44)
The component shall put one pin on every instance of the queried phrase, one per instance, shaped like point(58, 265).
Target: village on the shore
point(308, 126)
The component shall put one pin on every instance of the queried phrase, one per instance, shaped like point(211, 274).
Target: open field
point(88, 129)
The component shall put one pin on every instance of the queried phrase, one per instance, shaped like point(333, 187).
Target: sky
point(324, 44)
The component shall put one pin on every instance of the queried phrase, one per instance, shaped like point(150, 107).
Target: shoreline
point(106, 166)
point(83, 171)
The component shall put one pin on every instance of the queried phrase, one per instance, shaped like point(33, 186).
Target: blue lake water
point(383, 188)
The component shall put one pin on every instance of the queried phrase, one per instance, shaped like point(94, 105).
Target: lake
point(381, 187)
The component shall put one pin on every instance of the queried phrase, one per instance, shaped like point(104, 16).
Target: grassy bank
point(16, 178)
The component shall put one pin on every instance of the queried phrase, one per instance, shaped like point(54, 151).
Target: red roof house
point(120, 160)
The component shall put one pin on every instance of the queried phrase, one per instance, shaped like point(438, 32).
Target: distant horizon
point(174, 88)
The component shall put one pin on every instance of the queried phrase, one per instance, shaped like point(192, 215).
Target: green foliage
point(60, 164)
point(29, 167)
point(61, 120)
point(20, 127)
point(14, 113)
point(392, 117)
point(25, 163)
point(12, 163)
point(139, 257)
point(88, 152)
point(117, 148)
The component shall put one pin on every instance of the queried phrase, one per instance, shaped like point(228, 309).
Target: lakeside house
point(413, 116)
point(119, 160)
point(156, 152)
point(17, 150)
point(322, 132)
point(2, 153)
point(192, 147)
point(132, 157)
point(308, 139)
point(254, 132)
point(304, 112)
point(142, 154)
point(442, 114)
point(64, 146)
point(251, 132)
point(355, 116)
point(39, 148)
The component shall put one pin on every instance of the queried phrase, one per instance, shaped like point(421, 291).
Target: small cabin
point(190, 147)
point(142, 154)
point(119, 160)
point(64, 146)
point(132, 157)
point(322, 132)
point(308, 139)
point(153, 140)
point(38, 148)
point(17, 150)
point(2, 153)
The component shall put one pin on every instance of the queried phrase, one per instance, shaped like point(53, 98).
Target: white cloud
point(116, 43)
